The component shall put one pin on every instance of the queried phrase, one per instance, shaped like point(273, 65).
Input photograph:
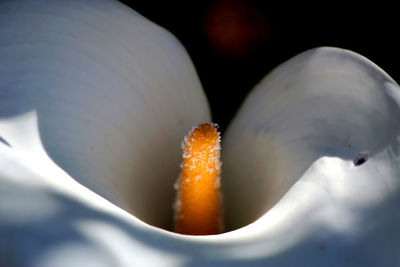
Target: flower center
point(198, 202)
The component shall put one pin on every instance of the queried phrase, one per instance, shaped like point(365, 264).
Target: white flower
point(94, 102)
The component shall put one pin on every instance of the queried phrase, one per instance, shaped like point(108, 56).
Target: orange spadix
point(198, 203)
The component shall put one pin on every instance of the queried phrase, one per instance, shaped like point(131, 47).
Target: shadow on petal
point(324, 102)
point(114, 95)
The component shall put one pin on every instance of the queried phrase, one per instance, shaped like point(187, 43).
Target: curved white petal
point(105, 93)
point(293, 146)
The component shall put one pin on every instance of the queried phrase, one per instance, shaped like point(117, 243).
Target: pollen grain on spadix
point(198, 201)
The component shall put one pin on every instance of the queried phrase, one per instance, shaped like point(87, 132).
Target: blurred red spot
point(235, 27)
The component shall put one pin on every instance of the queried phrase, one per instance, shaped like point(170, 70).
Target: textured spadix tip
point(198, 202)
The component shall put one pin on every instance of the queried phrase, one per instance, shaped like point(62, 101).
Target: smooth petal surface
point(292, 148)
point(104, 92)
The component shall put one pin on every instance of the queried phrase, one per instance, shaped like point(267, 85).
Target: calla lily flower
point(94, 103)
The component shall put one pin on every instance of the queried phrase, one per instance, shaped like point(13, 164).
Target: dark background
point(234, 43)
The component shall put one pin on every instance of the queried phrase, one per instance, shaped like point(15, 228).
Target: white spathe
point(90, 71)
point(94, 101)
point(324, 102)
